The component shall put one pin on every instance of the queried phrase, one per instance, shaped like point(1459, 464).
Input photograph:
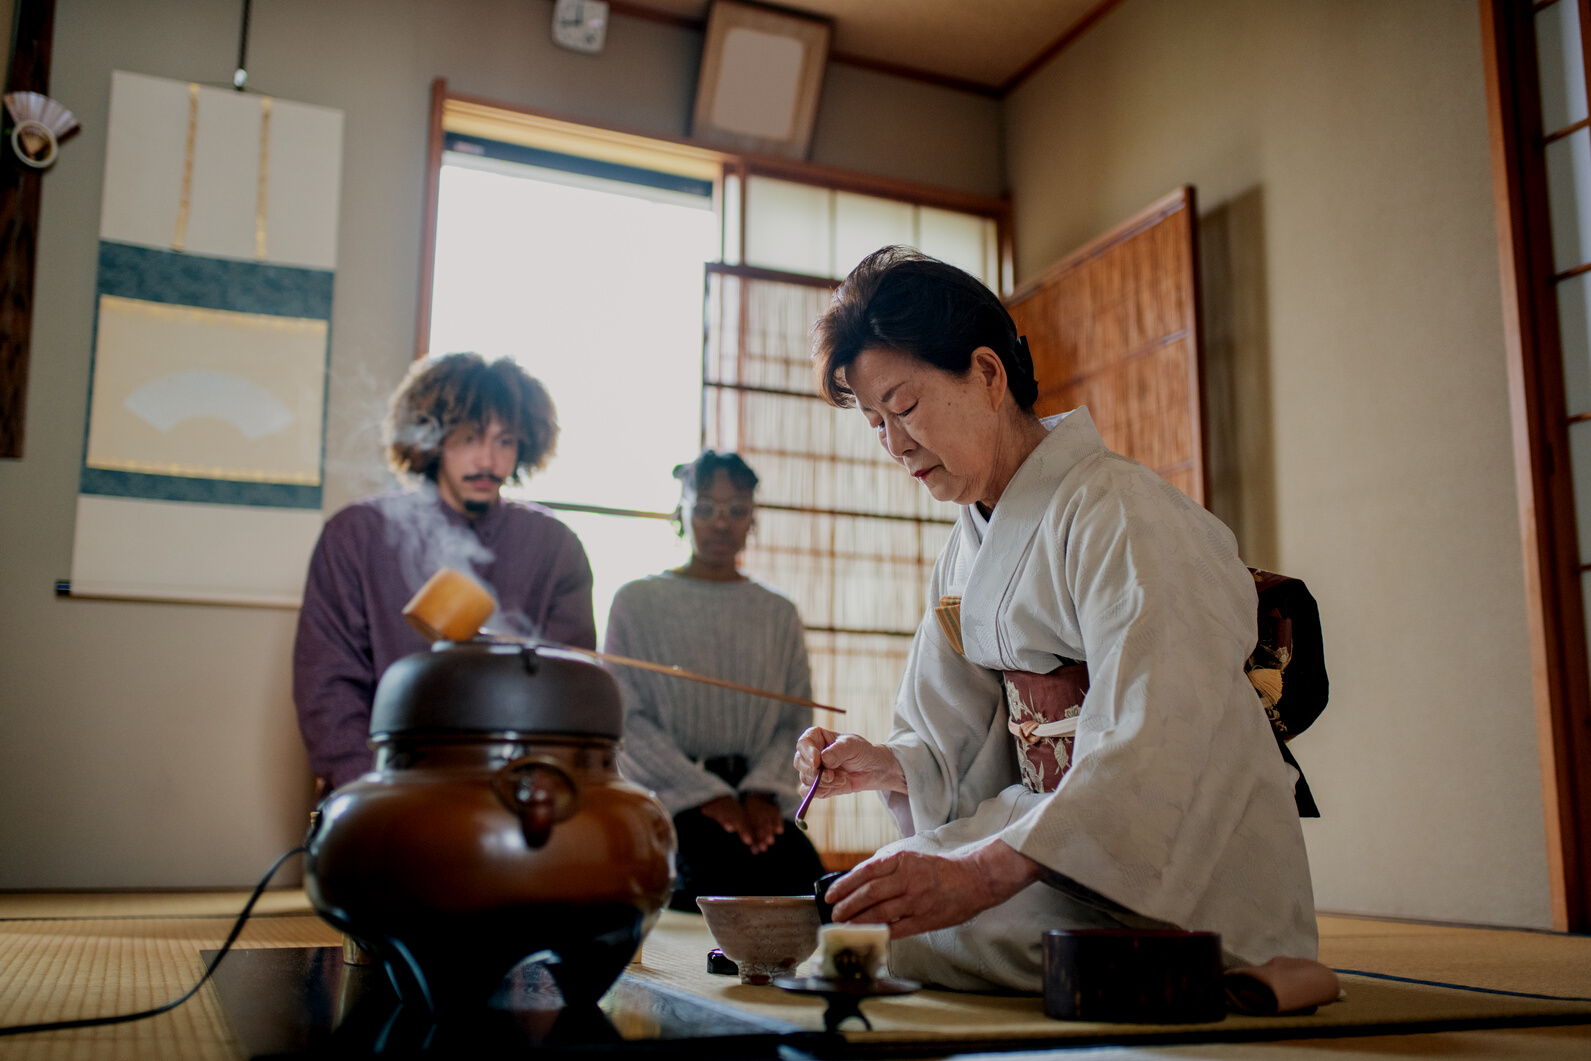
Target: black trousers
point(713, 861)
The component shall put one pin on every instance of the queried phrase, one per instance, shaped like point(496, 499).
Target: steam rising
point(425, 436)
point(512, 623)
point(426, 541)
point(355, 466)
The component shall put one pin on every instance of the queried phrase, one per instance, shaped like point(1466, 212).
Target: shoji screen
point(823, 232)
point(840, 528)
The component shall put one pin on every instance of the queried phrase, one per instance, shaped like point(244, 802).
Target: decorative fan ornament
point(41, 122)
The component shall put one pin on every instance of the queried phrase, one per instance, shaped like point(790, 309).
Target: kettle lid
point(485, 686)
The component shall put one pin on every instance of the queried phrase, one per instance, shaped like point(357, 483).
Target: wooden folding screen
point(1115, 326)
point(840, 528)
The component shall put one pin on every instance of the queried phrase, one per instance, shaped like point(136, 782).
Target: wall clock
point(580, 25)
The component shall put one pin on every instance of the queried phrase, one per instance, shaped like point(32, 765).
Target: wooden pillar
point(20, 188)
point(1560, 668)
point(433, 191)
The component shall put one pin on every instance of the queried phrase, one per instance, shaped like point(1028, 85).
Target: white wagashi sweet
point(854, 952)
point(40, 124)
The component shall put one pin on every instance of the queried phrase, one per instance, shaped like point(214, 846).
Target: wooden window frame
point(738, 164)
point(1553, 597)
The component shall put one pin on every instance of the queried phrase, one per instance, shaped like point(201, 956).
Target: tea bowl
point(765, 935)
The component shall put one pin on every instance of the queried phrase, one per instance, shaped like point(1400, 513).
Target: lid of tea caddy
point(483, 686)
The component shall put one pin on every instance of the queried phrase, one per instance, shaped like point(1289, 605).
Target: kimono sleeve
point(949, 730)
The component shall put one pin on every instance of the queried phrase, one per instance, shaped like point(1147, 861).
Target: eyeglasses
point(735, 510)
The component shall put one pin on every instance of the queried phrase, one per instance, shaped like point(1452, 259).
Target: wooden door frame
point(1555, 609)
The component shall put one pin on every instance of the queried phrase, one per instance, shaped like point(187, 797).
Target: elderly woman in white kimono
point(1161, 802)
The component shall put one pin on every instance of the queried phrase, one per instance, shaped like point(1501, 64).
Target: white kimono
point(1177, 805)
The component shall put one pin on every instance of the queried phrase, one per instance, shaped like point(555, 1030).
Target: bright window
point(593, 282)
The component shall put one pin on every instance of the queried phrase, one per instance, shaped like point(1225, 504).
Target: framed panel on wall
point(760, 78)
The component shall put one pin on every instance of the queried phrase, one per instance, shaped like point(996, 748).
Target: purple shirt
point(370, 559)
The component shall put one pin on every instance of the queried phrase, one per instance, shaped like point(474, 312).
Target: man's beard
point(478, 508)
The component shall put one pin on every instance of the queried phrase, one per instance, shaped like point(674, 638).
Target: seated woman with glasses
point(719, 760)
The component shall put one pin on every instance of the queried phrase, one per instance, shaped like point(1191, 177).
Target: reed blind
point(841, 529)
point(1114, 326)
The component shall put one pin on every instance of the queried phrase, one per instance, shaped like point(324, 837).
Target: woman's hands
point(913, 892)
point(844, 762)
point(755, 818)
point(762, 819)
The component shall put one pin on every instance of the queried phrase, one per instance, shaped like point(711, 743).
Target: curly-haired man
point(458, 428)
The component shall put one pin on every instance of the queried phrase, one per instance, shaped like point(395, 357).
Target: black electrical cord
point(123, 1018)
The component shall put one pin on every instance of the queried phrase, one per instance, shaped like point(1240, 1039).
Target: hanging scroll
point(202, 468)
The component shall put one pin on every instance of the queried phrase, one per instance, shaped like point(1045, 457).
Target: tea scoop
point(806, 801)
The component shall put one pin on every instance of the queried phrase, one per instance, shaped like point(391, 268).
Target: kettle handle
point(539, 792)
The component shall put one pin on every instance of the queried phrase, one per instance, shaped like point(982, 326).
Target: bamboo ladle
point(451, 606)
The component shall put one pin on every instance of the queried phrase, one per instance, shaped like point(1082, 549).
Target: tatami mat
point(1544, 963)
point(675, 955)
point(125, 957)
point(69, 956)
point(1524, 1044)
point(16, 906)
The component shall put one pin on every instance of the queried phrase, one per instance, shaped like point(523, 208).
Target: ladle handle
point(540, 793)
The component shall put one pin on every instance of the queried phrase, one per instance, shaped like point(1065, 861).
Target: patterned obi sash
point(1043, 710)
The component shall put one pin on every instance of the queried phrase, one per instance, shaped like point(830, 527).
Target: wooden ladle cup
point(451, 606)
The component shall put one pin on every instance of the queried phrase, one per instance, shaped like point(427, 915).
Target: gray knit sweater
point(740, 631)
